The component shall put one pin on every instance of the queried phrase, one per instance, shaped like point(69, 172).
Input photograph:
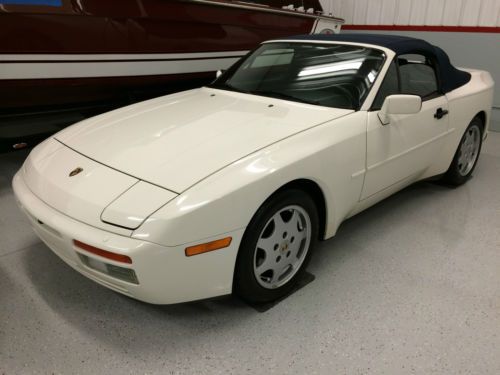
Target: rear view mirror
point(399, 105)
point(219, 73)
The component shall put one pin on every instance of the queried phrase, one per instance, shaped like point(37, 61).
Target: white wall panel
point(340, 8)
point(452, 12)
point(470, 13)
point(434, 14)
point(360, 12)
point(416, 12)
point(331, 7)
point(388, 12)
point(374, 11)
point(489, 13)
point(403, 12)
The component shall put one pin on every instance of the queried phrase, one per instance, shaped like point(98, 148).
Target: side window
point(417, 75)
point(389, 87)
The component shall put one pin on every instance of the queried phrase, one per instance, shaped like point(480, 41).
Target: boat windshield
point(331, 75)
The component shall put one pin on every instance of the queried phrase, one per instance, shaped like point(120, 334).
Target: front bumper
point(164, 274)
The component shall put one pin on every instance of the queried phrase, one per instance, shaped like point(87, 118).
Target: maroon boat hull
point(94, 53)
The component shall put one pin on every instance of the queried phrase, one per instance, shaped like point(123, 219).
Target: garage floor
point(410, 286)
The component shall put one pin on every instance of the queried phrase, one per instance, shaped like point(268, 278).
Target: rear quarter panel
point(464, 104)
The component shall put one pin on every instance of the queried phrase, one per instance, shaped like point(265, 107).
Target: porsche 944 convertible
point(227, 188)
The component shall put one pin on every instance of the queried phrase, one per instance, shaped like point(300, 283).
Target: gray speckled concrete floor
point(411, 285)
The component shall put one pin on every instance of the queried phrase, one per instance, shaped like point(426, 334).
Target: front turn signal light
point(209, 246)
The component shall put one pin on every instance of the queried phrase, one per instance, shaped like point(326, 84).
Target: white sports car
point(227, 188)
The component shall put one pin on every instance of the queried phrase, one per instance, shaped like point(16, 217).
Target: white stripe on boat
point(51, 70)
point(123, 56)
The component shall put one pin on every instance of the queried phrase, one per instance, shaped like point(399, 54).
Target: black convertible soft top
point(450, 77)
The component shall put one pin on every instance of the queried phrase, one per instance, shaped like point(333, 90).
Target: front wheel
point(276, 247)
point(467, 154)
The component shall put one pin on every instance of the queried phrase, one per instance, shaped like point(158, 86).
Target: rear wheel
point(276, 247)
point(467, 154)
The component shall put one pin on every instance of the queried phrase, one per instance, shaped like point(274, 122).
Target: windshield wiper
point(280, 95)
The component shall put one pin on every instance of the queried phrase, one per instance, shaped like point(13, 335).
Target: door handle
point(440, 113)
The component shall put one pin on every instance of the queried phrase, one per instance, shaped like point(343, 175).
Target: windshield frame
point(220, 82)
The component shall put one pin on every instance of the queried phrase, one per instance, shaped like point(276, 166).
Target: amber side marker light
point(209, 246)
point(103, 253)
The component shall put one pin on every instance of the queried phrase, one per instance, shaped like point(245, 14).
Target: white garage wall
point(416, 12)
point(469, 30)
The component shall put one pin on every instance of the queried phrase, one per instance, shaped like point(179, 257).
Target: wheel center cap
point(284, 246)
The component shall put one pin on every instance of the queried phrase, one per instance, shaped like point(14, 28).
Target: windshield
point(332, 75)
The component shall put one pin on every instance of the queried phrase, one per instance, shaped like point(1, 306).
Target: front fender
point(224, 202)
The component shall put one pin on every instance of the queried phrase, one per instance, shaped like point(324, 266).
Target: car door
point(402, 150)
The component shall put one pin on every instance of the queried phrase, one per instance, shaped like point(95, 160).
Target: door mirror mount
point(399, 105)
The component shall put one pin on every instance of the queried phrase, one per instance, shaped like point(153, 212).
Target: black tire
point(453, 175)
point(246, 284)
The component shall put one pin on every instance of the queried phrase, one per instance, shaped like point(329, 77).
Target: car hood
point(177, 140)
